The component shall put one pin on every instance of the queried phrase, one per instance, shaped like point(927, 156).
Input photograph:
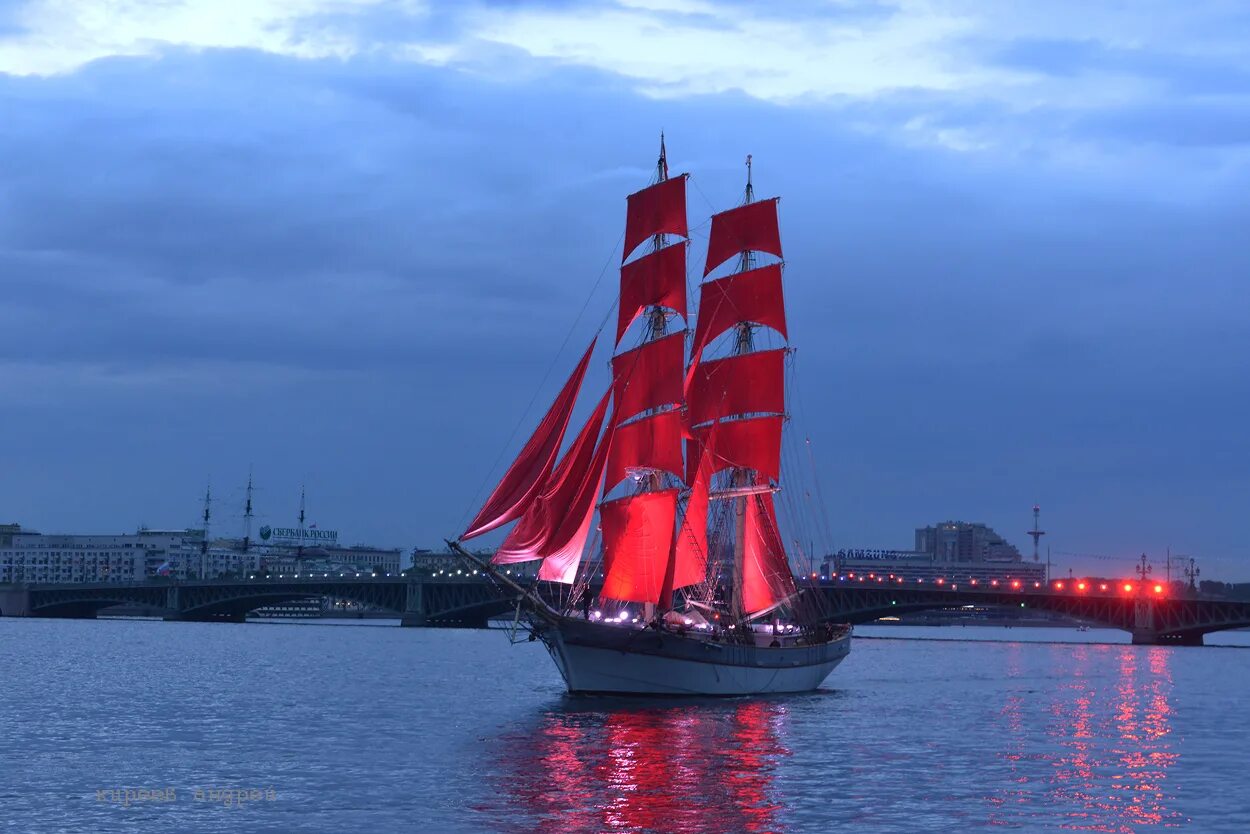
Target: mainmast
point(741, 398)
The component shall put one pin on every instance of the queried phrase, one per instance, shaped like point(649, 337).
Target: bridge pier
point(1153, 638)
point(14, 602)
point(414, 606)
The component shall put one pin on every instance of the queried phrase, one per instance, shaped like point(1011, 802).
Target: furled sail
point(751, 296)
point(747, 383)
point(766, 576)
point(654, 280)
point(649, 376)
point(527, 474)
point(651, 442)
point(656, 210)
point(637, 541)
point(535, 535)
point(749, 227)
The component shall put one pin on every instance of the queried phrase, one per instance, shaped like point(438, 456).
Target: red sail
point(766, 575)
point(523, 480)
point(534, 535)
point(649, 376)
point(652, 442)
point(753, 443)
point(658, 279)
point(564, 549)
point(659, 209)
point(750, 227)
point(637, 540)
point(754, 295)
point(744, 384)
point(689, 564)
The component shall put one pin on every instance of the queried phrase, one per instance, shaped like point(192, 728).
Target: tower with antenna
point(208, 505)
point(1037, 532)
point(300, 546)
point(247, 514)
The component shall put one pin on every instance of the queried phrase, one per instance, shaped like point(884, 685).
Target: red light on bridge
point(993, 583)
point(1128, 589)
point(1080, 586)
point(973, 581)
point(1158, 589)
point(1015, 583)
point(1102, 587)
point(940, 581)
point(1058, 586)
point(1037, 584)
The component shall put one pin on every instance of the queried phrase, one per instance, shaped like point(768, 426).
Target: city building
point(30, 556)
point(955, 551)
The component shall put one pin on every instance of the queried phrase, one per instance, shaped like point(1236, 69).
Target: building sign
point(295, 536)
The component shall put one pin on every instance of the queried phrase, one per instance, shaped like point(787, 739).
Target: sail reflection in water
point(682, 769)
point(1110, 752)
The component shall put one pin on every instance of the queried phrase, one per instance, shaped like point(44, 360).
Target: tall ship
point(683, 586)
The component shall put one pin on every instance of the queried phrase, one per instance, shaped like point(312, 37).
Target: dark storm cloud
point(219, 258)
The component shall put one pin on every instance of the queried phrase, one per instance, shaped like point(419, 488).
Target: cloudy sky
point(345, 242)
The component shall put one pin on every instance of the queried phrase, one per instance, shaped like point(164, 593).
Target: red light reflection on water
point(1110, 749)
point(682, 769)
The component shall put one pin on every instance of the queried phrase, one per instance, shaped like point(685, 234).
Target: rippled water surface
point(372, 728)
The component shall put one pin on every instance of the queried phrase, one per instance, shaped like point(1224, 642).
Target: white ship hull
point(613, 660)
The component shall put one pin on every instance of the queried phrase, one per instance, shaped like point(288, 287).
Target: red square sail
point(659, 209)
point(750, 227)
point(637, 541)
point(754, 296)
point(652, 442)
point(649, 376)
point(749, 383)
point(753, 443)
point(658, 279)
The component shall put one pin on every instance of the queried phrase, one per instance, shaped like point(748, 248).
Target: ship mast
point(740, 477)
point(300, 548)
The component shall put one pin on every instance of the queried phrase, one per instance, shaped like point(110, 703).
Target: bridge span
point(1151, 617)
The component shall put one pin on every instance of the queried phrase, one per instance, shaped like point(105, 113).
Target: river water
point(364, 727)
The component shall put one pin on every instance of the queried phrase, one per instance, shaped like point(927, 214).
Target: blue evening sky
point(342, 241)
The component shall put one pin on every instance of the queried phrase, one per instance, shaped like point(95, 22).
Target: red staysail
point(658, 209)
point(564, 548)
point(689, 564)
point(525, 478)
point(649, 376)
point(637, 542)
point(754, 296)
point(535, 535)
point(753, 443)
point(766, 576)
point(653, 442)
point(658, 279)
point(744, 384)
point(749, 227)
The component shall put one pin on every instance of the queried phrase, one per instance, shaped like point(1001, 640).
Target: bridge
point(1150, 615)
point(416, 601)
